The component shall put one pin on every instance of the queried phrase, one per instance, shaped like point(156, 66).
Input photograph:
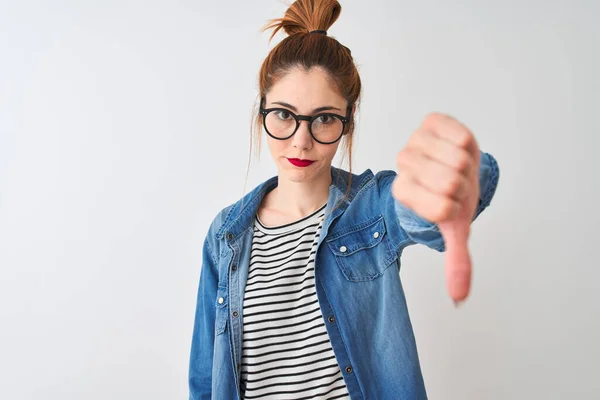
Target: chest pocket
point(362, 252)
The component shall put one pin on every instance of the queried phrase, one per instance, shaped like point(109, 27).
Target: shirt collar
point(241, 215)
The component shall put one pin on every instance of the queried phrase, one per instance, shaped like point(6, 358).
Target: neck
point(299, 199)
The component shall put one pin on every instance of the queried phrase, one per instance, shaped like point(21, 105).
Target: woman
point(300, 295)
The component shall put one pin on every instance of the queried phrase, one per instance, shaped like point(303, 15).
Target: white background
point(124, 129)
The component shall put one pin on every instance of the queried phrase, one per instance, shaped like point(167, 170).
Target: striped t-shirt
point(286, 352)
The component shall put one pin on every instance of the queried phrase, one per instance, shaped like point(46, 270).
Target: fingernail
point(458, 303)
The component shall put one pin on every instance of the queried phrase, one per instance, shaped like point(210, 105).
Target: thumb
point(458, 260)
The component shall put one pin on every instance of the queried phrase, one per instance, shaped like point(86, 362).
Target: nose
point(302, 139)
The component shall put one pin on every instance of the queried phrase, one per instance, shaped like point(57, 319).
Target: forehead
point(306, 89)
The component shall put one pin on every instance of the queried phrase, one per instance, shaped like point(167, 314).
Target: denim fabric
point(357, 281)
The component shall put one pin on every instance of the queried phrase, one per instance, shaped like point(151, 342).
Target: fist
point(438, 178)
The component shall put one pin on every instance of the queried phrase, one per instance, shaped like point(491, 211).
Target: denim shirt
point(357, 264)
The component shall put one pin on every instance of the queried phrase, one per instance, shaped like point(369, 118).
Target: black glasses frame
point(345, 120)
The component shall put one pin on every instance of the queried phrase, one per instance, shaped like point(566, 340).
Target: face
point(302, 93)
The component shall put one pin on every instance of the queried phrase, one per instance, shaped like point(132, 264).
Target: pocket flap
point(363, 236)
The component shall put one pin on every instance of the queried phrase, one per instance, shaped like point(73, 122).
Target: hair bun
point(304, 16)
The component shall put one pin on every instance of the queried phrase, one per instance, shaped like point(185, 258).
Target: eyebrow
point(316, 110)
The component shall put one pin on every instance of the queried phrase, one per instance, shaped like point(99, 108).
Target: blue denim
point(359, 289)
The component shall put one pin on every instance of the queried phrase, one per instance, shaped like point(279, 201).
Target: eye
point(283, 115)
point(325, 119)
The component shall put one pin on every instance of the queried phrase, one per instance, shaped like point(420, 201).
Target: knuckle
point(415, 139)
point(401, 157)
point(445, 210)
point(405, 158)
point(463, 161)
point(434, 116)
point(464, 138)
point(398, 186)
point(404, 198)
point(453, 185)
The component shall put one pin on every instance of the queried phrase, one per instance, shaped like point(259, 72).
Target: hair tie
point(319, 31)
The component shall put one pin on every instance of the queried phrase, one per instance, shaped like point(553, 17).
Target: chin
point(297, 174)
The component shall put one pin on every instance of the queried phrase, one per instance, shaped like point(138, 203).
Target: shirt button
point(343, 249)
point(348, 369)
point(221, 300)
point(235, 314)
point(230, 236)
point(331, 319)
point(376, 235)
point(234, 268)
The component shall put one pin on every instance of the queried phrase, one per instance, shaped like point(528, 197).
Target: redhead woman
point(300, 295)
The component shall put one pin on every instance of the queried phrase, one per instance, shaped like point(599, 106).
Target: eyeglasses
point(325, 128)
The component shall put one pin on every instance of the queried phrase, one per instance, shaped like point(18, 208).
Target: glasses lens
point(280, 123)
point(327, 128)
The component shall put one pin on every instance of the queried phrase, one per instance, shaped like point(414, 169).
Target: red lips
point(300, 163)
